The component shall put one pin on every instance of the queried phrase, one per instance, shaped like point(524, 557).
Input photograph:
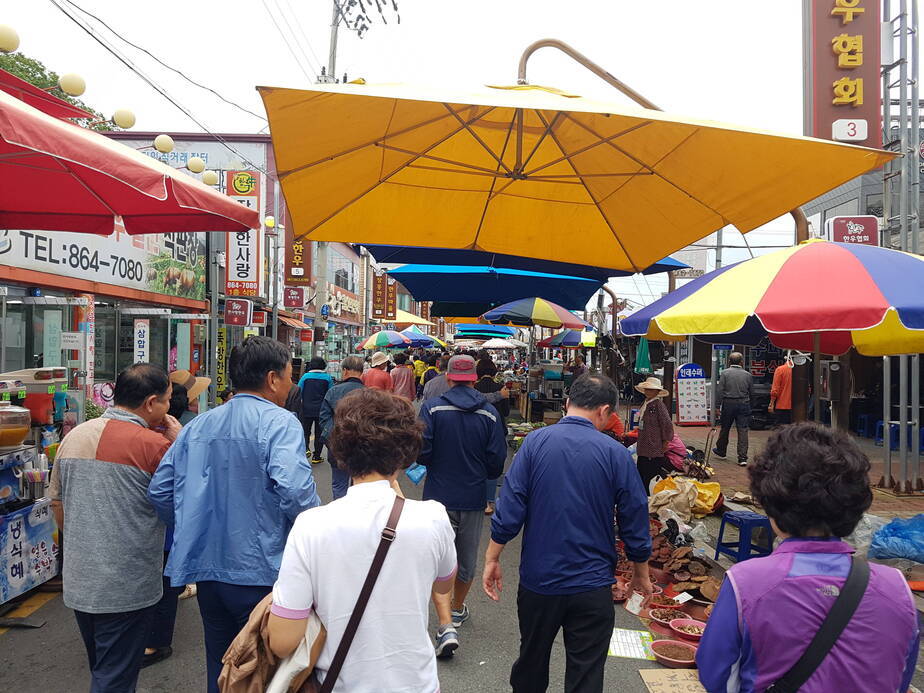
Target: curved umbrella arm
point(581, 59)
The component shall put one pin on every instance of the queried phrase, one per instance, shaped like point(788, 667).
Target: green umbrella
point(642, 358)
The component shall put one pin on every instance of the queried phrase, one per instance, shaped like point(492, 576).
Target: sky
point(727, 60)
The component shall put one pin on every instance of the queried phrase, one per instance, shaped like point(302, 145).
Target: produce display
point(520, 431)
point(678, 652)
point(689, 630)
point(660, 601)
point(665, 616)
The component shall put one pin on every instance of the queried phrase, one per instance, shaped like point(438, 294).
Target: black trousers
point(307, 424)
point(164, 617)
point(650, 467)
point(735, 412)
point(115, 645)
point(587, 619)
point(782, 417)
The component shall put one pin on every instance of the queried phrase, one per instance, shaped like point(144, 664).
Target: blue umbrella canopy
point(493, 284)
point(403, 254)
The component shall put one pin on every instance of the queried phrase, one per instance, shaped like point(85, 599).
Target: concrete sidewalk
point(734, 478)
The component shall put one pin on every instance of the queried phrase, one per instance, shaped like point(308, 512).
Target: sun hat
point(195, 386)
point(652, 383)
point(461, 368)
point(378, 358)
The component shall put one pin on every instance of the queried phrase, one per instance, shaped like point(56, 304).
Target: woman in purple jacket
point(813, 482)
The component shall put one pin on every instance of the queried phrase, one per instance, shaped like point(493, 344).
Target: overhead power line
point(160, 90)
point(144, 50)
point(301, 43)
point(286, 41)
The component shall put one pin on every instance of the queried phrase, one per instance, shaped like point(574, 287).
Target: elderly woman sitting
point(813, 482)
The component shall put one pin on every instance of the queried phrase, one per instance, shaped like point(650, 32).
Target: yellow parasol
point(533, 171)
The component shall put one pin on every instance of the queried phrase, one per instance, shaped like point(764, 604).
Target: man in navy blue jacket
point(562, 486)
point(464, 445)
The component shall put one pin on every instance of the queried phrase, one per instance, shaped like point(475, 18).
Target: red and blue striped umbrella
point(533, 311)
point(863, 296)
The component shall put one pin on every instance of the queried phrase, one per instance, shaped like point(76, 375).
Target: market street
point(490, 641)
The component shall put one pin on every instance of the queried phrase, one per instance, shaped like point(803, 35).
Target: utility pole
point(332, 54)
point(714, 363)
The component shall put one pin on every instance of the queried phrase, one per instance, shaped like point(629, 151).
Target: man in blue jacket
point(231, 486)
point(464, 445)
point(314, 385)
point(562, 486)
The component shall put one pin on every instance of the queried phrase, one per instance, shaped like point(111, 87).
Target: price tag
point(21, 394)
point(62, 387)
point(634, 605)
point(683, 597)
point(51, 389)
point(5, 396)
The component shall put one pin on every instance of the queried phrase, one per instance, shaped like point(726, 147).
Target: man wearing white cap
point(377, 376)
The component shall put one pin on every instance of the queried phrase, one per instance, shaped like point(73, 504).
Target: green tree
point(35, 73)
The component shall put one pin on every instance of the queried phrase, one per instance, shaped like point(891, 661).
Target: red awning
point(39, 98)
point(294, 322)
point(57, 176)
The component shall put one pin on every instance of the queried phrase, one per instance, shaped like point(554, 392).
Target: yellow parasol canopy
point(533, 171)
point(402, 317)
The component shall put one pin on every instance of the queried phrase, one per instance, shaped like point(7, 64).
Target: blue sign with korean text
point(325, 310)
point(28, 549)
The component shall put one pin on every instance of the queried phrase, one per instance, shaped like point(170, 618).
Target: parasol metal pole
point(886, 481)
point(904, 483)
point(802, 227)
point(4, 337)
point(800, 379)
point(816, 376)
point(583, 60)
point(915, 483)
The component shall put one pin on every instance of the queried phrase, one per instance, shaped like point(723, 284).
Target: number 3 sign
point(849, 130)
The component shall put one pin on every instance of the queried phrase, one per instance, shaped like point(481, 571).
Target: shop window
point(874, 204)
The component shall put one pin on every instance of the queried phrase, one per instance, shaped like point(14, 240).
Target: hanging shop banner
point(425, 310)
point(696, 259)
point(845, 84)
point(51, 338)
point(238, 311)
point(692, 403)
point(243, 271)
point(142, 341)
point(221, 360)
point(294, 297)
point(391, 299)
point(172, 264)
point(862, 229)
point(297, 259)
point(28, 549)
point(344, 305)
point(258, 319)
point(379, 295)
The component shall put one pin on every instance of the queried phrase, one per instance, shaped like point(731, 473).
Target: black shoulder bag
point(831, 628)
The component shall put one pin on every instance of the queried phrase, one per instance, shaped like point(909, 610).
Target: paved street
point(489, 643)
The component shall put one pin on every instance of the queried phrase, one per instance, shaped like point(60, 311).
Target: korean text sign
point(845, 55)
point(244, 263)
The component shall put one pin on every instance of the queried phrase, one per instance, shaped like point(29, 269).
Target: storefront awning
point(294, 322)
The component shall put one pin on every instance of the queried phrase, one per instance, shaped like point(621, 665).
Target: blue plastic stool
point(746, 522)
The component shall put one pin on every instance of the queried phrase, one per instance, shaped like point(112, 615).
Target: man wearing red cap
point(464, 445)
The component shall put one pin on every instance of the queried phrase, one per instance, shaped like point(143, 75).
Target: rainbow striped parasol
point(384, 339)
point(533, 311)
point(847, 295)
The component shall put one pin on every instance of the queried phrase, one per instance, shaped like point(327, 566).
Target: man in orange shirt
point(377, 376)
point(781, 394)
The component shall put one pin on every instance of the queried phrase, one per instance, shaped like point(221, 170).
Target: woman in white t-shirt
point(330, 549)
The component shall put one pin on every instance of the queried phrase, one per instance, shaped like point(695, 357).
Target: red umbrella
point(39, 98)
point(57, 176)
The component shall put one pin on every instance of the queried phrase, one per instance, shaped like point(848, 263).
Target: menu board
point(692, 403)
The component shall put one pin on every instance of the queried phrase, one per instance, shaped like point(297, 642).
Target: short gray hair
point(736, 358)
point(352, 363)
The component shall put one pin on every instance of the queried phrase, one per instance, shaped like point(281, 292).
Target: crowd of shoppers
point(227, 503)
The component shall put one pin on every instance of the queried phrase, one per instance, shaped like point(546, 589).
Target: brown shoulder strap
point(388, 536)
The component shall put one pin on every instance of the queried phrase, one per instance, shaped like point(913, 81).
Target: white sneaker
point(447, 642)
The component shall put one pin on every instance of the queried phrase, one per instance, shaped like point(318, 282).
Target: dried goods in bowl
point(688, 628)
point(674, 654)
point(662, 616)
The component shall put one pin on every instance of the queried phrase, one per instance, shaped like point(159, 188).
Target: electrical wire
point(122, 38)
point(150, 82)
point(304, 36)
point(286, 41)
